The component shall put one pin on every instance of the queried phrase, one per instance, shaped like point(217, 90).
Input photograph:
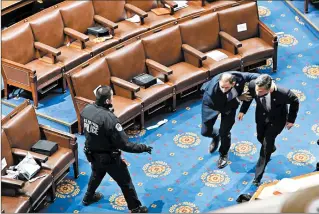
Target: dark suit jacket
point(215, 100)
point(280, 98)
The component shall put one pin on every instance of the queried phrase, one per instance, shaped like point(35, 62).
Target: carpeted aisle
point(180, 175)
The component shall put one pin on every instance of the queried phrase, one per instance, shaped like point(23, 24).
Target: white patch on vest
point(118, 127)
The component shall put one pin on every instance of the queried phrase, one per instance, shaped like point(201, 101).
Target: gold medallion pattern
point(301, 157)
point(187, 140)
point(156, 169)
point(184, 207)
point(287, 40)
point(67, 189)
point(215, 178)
point(263, 11)
point(118, 202)
point(311, 71)
point(243, 148)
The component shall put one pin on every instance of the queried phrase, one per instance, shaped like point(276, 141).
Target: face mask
point(109, 107)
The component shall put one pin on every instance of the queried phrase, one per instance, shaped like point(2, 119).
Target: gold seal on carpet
point(156, 169)
point(184, 207)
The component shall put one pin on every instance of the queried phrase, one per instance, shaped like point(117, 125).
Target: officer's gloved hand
point(148, 149)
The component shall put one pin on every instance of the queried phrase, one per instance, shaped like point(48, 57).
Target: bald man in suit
point(222, 95)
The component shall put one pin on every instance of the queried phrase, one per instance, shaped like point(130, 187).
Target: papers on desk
point(217, 55)
point(134, 19)
point(180, 5)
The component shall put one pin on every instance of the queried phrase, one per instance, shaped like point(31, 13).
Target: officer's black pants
point(117, 169)
point(266, 135)
point(223, 133)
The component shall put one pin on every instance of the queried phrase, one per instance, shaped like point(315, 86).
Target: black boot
point(142, 209)
point(214, 145)
point(87, 200)
point(222, 161)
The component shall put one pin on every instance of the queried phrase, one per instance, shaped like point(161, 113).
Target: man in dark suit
point(271, 116)
point(222, 95)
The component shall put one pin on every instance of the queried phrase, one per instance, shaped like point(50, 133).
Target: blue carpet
point(54, 104)
point(312, 15)
point(180, 175)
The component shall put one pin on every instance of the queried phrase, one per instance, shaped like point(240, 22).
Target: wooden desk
point(9, 6)
point(271, 185)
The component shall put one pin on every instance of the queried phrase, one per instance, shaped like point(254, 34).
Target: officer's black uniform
point(105, 138)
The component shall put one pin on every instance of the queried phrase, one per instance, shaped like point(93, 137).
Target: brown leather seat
point(21, 64)
point(52, 19)
point(83, 83)
point(258, 42)
point(135, 63)
point(115, 13)
point(255, 48)
point(19, 204)
point(184, 74)
point(167, 49)
point(25, 119)
point(36, 190)
point(152, 20)
point(203, 34)
point(79, 16)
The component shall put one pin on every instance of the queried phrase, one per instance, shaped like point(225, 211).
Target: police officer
point(222, 95)
point(105, 138)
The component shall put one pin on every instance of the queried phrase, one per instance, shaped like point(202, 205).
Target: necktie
point(229, 96)
point(264, 103)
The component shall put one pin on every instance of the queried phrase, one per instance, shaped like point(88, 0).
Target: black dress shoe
point(213, 145)
point(142, 209)
point(256, 182)
point(222, 161)
point(89, 200)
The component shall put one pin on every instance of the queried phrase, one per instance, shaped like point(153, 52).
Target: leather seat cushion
point(19, 204)
point(154, 93)
point(192, 9)
point(153, 20)
point(125, 108)
point(255, 49)
point(71, 57)
point(45, 71)
point(185, 75)
point(216, 67)
point(35, 189)
point(128, 29)
point(97, 48)
point(59, 160)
